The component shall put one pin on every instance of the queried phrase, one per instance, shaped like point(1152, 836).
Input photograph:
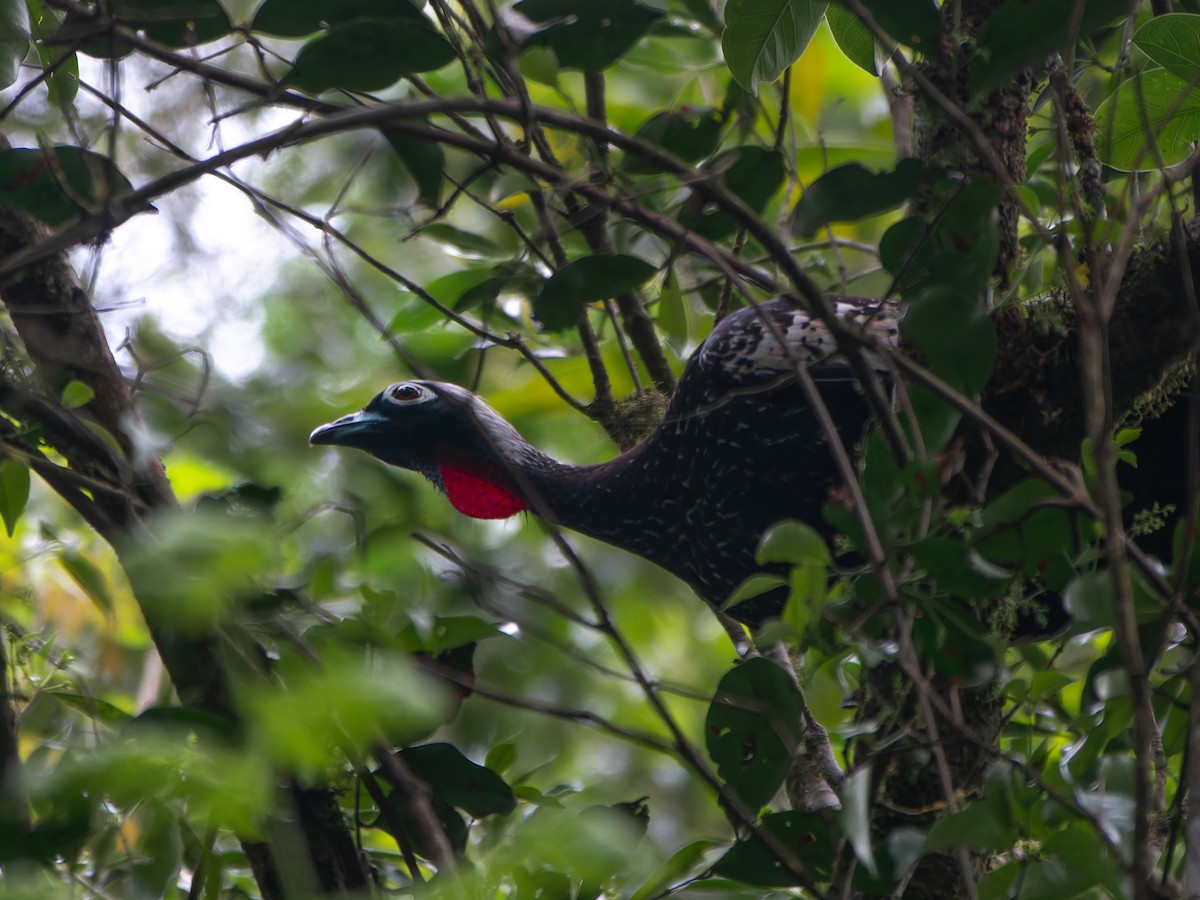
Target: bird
point(738, 449)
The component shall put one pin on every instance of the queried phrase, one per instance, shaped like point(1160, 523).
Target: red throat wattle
point(475, 496)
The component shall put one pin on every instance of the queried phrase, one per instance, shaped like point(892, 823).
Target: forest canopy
point(238, 665)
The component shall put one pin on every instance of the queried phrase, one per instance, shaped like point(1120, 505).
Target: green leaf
point(1151, 120)
point(501, 756)
point(1025, 32)
point(1089, 600)
point(459, 782)
point(76, 394)
point(349, 704)
point(852, 192)
point(807, 595)
point(689, 133)
point(977, 827)
point(900, 249)
point(753, 727)
point(853, 38)
point(673, 312)
point(85, 574)
point(792, 542)
point(1185, 548)
point(959, 341)
point(14, 492)
point(467, 243)
point(584, 281)
point(1173, 41)
point(177, 24)
point(752, 173)
point(1058, 873)
point(681, 864)
point(56, 186)
point(754, 586)
point(62, 83)
point(426, 163)
point(958, 569)
point(588, 36)
point(1016, 503)
point(912, 22)
point(368, 55)
point(855, 815)
point(950, 637)
point(894, 855)
point(94, 708)
point(799, 545)
point(14, 39)
point(449, 632)
point(806, 835)
point(511, 278)
point(184, 721)
point(300, 18)
point(764, 37)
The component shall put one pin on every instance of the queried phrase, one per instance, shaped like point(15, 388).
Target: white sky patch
point(212, 285)
point(201, 264)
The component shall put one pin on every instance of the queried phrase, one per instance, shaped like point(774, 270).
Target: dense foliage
point(238, 666)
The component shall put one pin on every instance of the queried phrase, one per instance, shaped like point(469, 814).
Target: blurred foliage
point(360, 620)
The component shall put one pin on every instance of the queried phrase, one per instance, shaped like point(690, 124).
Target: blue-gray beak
point(348, 430)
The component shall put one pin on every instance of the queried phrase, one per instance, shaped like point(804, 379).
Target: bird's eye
point(406, 393)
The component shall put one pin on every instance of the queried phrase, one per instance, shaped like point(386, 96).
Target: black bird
point(739, 449)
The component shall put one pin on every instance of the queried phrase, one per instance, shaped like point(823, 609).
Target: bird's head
point(448, 435)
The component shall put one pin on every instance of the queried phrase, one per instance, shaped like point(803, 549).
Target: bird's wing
point(745, 349)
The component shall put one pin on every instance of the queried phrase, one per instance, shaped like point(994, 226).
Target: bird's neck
point(478, 495)
point(582, 498)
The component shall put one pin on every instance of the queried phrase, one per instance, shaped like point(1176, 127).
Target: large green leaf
point(426, 163)
point(954, 644)
point(855, 815)
point(764, 37)
point(299, 18)
point(912, 22)
point(14, 39)
point(682, 862)
point(89, 578)
point(752, 173)
point(689, 133)
point(591, 35)
point(1173, 41)
point(369, 55)
point(852, 192)
point(853, 38)
point(62, 82)
point(1151, 120)
point(584, 281)
point(792, 542)
point(174, 23)
point(458, 781)
point(1025, 32)
point(957, 337)
point(1089, 599)
point(57, 185)
point(14, 492)
point(806, 835)
point(958, 569)
point(982, 825)
point(753, 727)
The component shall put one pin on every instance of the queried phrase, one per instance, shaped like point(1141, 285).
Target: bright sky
point(197, 265)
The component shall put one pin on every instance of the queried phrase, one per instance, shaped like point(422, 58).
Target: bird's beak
point(348, 430)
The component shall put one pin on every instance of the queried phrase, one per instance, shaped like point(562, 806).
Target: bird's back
point(739, 449)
